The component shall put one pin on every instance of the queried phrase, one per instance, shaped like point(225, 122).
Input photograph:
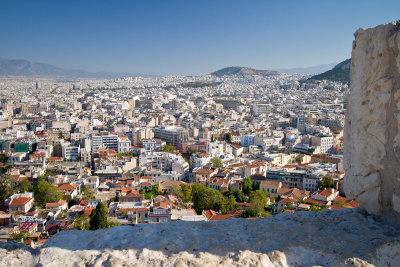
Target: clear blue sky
point(185, 37)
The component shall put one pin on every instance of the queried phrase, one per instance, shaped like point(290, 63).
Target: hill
point(242, 71)
point(340, 73)
point(20, 67)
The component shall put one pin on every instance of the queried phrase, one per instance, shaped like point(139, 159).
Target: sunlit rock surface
point(372, 130)
point(328, 238)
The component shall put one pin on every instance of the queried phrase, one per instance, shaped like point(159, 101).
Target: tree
point(326, 182)
point(3, 158)
point(24, 186)
point(236, 193)
point(299, 158)
point(216, 162)
point(98, 218)
point(82, 222)
point(186, 190)
point(205, 198)
point(19, 237)
point(111, 222)
point(250, 213)
point(228, 138)
point(87, 193)
point(246, 187)
point(45, 192)
point(156, 189)
point(169, 148)
point(6, 186)
point(258, 200)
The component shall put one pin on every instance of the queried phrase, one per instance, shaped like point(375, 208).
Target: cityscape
point(162, 149)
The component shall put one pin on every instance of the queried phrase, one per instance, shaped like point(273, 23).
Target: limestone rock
point(372, 129)
point(326, 238)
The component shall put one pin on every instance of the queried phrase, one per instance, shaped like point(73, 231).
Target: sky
point(187, 37)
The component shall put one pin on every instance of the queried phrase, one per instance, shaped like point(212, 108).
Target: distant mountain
point(18, 67)
point(309, 70)
point(340, 73)
point(242, 71)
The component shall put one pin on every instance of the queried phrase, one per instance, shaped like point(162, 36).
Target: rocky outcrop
point(327, 238)
point(372, 129)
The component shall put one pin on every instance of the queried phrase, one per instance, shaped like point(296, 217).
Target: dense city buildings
point(144, 147)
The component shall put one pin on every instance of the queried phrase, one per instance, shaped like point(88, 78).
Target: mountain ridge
point(21, 67)
point(339, 73)
point(236, 70)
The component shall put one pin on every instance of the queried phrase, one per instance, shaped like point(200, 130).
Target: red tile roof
point(20, 201)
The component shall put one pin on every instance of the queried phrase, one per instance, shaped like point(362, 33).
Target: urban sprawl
point(91, 154)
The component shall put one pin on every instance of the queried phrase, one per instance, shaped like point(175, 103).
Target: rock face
point(372, 129)
point(327, 238)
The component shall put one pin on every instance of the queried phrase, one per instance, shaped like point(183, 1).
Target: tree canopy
point(216, 162)
point(326, 182)
point(87, 193)
point(246, 187)
point(299, 158)
point(45, 192)
point(205, 198)
point(98, 218)
point(24, 186)
point(6, 186)
point(169, 148)
point(236, 193)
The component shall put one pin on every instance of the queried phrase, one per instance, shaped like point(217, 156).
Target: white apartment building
point(109, 141)
point(124, 144)
point(325, 142)
point(70, 152)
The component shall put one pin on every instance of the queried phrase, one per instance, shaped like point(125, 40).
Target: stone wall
point(345, 237)
point(372, 129)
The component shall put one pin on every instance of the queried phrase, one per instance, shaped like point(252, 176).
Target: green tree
point(111, 222)
point(6, 186)
point(299, 158)
point(176, 190)
point(250, 213)
point(82, 222)
point(228, 138)
point(205, 198)
point(98, 218)
point(236, 193)
point(19, 237)
point(87, 193)
point(326, 182)
point(24, 186)
point(216, 162)
point(45, 192)
point(258, 200)
point(186, 190)
point(169, 148)
point(246, 187)
point(156, 189)
point(3, 158)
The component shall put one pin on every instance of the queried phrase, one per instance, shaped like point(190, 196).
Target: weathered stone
point(372, 129)
point(326, 238)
